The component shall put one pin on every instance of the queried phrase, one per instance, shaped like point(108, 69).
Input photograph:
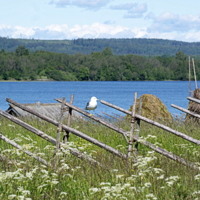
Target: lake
point(119, 93)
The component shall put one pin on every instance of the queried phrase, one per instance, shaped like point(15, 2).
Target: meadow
point(152, 177)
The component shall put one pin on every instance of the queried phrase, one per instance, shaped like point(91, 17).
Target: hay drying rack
point(132, 137)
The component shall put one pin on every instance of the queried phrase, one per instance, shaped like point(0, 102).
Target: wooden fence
point(131, 137)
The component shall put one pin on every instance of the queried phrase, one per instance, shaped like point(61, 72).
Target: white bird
point(92, 104)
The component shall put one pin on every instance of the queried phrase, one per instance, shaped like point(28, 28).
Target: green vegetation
point(23, 64)
point(152, 177)
point(143, 47)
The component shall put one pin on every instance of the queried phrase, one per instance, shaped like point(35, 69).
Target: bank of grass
point(152, 177)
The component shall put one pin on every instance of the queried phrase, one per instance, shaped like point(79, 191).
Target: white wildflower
point(197, 177)
point(119, 176)
point(12, 196)
point(20, 197)
point(160, 177)
point(105, 183)
point(158, 170)
point(54, 182)
point(29, 175)
point(126, 185)
point(93, 190)
point(147, 184)
point(42, 186)
point(11, 125)
point(26, 192)
point(151, 196)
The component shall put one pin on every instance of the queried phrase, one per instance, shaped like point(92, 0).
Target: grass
point(152, 177)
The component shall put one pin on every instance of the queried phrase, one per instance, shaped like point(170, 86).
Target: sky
point(71, 19)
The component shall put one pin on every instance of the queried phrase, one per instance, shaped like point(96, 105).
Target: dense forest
point(143, 47)
point(23, 64)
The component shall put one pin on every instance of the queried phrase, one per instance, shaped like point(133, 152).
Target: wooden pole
point(66, 136)
point(195, 78)
point(193, 99)
point(177, 133)
point(189, 75)
point(137, 130)
point(47, 137)
point(186, 111)
point(130, 145)
point(13, 143)
point(59, 129)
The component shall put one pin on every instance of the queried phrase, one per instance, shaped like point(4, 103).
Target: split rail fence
point(132, 137)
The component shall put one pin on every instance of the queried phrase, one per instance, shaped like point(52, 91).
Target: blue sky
point(71, 19)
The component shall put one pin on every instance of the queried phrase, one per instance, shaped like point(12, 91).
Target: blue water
point(118, 93)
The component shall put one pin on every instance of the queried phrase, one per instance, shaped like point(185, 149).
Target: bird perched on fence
point(92, 104)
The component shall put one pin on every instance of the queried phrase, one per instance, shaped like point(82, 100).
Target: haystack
point(152, 108)
point(194, 107)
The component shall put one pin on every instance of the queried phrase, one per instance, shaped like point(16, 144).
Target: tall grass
point(152, 177)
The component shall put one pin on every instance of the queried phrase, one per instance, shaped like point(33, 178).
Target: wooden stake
point(59, 129)
point(130, 145)
point(66, 136)
point(195, 78)
point(137, 130)
point(193, 99)
point(186, 111)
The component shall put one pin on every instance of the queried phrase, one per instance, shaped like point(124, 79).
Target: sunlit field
point(152, 177)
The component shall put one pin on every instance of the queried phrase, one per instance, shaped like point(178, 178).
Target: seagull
point(92, 104)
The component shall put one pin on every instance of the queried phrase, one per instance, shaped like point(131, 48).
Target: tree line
point(98, 66)
point(124, 46)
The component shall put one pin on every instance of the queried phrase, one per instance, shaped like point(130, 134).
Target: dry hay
point(152, 108)
point(194, 107)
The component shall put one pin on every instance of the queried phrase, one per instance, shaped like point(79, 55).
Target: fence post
point(66, 136)
point(137, 130)
point(59, 130)
point(130, 145)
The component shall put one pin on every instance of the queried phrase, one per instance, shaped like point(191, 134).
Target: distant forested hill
point(143, 47)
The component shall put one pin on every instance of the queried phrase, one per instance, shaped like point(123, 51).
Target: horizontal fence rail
point(13, 143)
point(186, 111)
point(193, 99)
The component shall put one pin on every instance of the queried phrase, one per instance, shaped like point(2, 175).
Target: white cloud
point(137, 11)
point(169, 22)
point(126, 6)
point(88, 4)
point(99, 30)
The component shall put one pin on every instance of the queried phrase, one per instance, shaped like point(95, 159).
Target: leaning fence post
point(59, 129)
point(137, 130)
point(66, 136)
point(130, 146)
